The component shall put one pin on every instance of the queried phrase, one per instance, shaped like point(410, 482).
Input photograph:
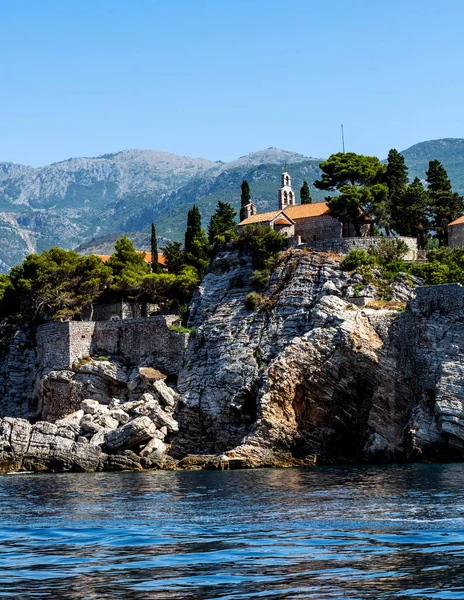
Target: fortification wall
point(53, 345)
point(118, 310)
point(345, 245)
point(445, 299)
point(136, 341)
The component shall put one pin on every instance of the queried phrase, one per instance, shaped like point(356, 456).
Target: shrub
point(357, 258)
point(391, 249)
point(260, 278)
point(252, 300)
point(261, 242)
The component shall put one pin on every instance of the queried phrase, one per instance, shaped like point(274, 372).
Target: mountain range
point(88, 202)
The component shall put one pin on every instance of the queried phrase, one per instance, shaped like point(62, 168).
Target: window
point(114, 318)
point(314, 237)
point(290, 197)
point(287, 179)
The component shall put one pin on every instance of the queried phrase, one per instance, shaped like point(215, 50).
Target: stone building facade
point(456, 233)
point(305, 222)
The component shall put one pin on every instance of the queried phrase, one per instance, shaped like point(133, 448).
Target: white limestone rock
point(133, 433)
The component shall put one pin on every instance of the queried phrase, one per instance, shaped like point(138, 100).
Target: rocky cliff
point(327, 367)
point(313, 376)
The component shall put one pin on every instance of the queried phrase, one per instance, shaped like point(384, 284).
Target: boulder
point(98, 439)
point(166, 395)
point(89, 425)
point(90, 407)
point(163, 419)
point(107, 421)
point(133, 433)
point(120, 415)
point(154, 446)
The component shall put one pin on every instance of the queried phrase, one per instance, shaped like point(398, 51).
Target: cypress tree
point(305, 195)
point(396, 178)
point(193, 231)
point(445, 206)
point(155, 268)
point(245, 199)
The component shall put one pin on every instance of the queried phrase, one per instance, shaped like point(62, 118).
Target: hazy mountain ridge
point(73, 201)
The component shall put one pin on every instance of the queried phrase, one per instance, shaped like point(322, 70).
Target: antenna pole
point(343, 140)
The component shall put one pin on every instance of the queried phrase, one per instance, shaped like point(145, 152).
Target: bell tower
point(286, 194)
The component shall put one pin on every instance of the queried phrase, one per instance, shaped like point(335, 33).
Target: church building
point(309, 222)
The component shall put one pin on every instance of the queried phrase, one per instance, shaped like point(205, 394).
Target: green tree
point(305, 194)
point(245, 199)
point(55, 284)
point(175, 257)
point(359, 179)
point(196, 242)
point(396, 179)
point(222, 223)
point(413, 213)
point(155, 266)
point(445, 206)
point(168, 290)
point(261, 242)
point(128, 266)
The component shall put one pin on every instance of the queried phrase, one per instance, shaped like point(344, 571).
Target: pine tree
point(413, 212)
point(445, 206)
point(396, 178)
point(305, 195)
point(174, 256)
point(246, 199)
point(155, 267)
point(196, 242)
point(437, 177)
point(222, 222)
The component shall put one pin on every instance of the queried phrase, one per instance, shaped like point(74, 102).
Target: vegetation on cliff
point(364, 185)
point(444, 265)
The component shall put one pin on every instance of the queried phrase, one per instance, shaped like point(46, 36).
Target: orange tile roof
point(146, 258)
point(282, 222)
point(302, 211)
point(459, 221)
point(261, 218)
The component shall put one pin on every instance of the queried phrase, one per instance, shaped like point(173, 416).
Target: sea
point(318, 532)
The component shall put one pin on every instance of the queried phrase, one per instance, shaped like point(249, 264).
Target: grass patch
point(181, 329)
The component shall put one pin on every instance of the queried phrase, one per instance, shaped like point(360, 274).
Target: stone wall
point(136, 341)
point(344, 245)
point(118, 310)
point(18, 368)
point(445, 299)
point(318, 228)
point(456, 235)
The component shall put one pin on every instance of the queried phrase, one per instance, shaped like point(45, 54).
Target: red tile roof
point(459, 221)
point(146, 258)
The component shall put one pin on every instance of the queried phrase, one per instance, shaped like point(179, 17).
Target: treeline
point(385, 193)
point(59, 284)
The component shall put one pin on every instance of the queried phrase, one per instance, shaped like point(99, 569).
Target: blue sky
point(222, 78)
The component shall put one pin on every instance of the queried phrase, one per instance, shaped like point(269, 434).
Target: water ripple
point(359, 532)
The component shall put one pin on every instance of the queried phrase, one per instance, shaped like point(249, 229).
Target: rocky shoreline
point(310, 375)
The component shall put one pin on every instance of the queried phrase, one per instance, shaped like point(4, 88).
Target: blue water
point(358, 532)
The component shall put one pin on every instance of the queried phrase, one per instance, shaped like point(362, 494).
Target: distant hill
point(74, 202)
point(449, 151)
